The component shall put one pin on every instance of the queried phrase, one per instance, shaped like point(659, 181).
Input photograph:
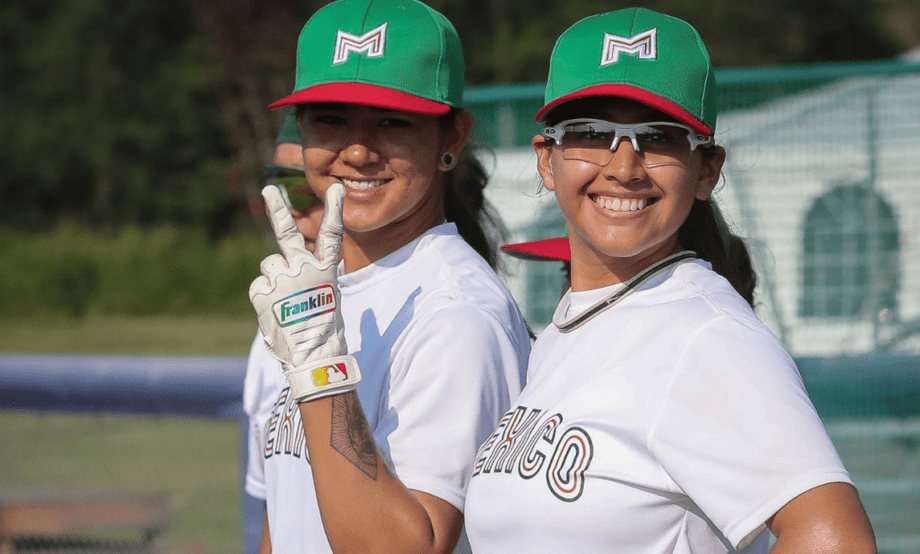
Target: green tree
point(251, 48)
point(108, 117)
point(138, 112)
point(510, 41)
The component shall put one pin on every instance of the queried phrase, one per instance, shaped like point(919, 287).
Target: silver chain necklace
point(628, 287)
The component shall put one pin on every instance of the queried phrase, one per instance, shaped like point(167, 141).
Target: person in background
point(660, 414)
point(263, 381)
point(400, 359)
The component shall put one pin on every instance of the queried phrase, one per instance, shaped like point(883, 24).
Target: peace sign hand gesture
point(297, 302)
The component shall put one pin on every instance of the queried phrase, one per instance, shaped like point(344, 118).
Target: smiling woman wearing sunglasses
point(660, 416)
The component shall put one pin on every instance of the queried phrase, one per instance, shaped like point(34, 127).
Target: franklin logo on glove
point(305, 304)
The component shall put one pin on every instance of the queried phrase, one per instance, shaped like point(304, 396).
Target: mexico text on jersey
point(526, 446)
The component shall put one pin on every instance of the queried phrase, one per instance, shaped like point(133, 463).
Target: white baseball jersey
point(261, 385)
point(443, 351)
point(672, 422)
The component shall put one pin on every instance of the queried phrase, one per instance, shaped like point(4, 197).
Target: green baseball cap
point(394, 54)
point(289, 133)
point(638, 54)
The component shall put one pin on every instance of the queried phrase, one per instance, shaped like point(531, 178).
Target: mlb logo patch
point(329, 375)
point(305, 304)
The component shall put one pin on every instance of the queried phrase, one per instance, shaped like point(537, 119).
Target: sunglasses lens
point(594, 141)
point(296, 190)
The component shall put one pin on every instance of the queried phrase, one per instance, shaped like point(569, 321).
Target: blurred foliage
point(109, 117)
point(136, 113)
point(510, 41)
point(70, 271)
point(144, 335)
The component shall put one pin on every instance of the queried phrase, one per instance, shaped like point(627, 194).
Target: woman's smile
point(362, 184)
point(621, 204)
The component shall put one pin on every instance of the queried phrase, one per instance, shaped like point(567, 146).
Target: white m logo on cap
point(371, 43)
point(644, 44)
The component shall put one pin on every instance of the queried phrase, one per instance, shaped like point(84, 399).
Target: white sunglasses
point(594, 140)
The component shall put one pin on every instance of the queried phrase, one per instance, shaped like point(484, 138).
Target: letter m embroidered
point(370, 43)
point(644, 44)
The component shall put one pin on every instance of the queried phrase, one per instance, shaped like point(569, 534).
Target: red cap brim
point(541, 250)
point(633, 93)
point(365, 95)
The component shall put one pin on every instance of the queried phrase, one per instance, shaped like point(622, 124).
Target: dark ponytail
point(465, 203)
point(706, 233)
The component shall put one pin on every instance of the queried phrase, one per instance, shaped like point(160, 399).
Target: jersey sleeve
point(261, 382)
point(252, 379)
point(255, 464)
point(737, 432)
point(452, 381)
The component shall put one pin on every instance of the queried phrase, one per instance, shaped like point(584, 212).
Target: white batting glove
point(297, 301)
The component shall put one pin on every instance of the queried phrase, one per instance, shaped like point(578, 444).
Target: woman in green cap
point(399, 361)
point(660, 414)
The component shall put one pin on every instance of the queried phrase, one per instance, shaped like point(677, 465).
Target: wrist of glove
point(297, 303)
point(334, 375)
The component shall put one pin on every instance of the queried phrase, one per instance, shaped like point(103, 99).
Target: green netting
point(504, 113)
point(821, 179)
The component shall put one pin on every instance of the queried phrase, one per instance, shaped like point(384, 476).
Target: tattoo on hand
point(350, 435)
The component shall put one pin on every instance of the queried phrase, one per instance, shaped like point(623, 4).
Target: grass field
point(195, 461)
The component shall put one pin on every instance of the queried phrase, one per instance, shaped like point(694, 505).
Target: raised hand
point(297, 302)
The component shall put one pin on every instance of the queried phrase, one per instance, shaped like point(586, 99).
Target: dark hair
point(465, 203)
point(706, 233)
